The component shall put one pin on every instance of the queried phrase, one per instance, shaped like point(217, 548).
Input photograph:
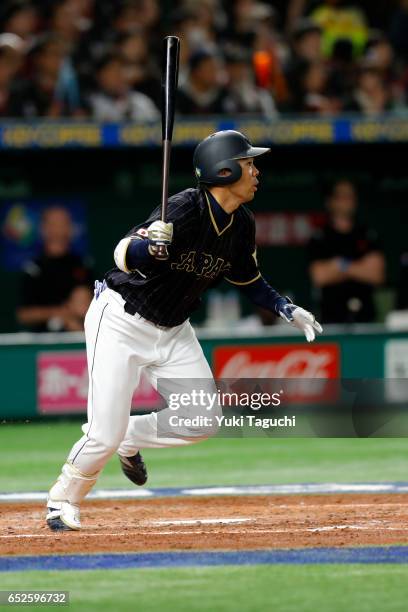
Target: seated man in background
point(56, 285)
point(346, 261)
point(113, 99)
point(203, 92)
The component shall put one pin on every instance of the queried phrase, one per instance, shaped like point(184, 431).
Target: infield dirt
point(227, 523)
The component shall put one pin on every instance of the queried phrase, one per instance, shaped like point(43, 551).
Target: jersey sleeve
point(244, 269)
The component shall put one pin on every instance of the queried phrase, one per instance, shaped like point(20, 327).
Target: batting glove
point(302, 319)
point(159, 234)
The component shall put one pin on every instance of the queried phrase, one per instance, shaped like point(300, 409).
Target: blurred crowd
point(101, 58)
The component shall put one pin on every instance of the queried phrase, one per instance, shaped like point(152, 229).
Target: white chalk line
point(177, 532)
point(215, 521)
point(283, 489)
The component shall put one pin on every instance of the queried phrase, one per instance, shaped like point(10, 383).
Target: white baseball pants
point(119, 347)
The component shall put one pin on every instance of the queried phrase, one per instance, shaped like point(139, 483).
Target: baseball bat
point(170, 65)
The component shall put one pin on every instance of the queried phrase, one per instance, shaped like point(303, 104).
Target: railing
point(69, 133)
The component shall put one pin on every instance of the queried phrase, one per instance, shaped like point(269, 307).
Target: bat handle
point(162, 252)
point(165, 179)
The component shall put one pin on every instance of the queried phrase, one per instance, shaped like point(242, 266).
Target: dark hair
point(106, 59)
point(10, 9)
point(200, 56)
point(343, 50)
point(305, 26)
point(235, 54)
point(331, 188)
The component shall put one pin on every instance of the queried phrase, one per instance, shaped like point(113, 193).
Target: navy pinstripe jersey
point(201, 255)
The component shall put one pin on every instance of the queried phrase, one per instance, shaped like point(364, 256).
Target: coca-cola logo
point(277, 361)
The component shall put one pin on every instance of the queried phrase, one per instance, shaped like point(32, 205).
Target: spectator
point(288, 65)
point(306, 41)
point(399, 29)
point(12, 49)
point(209, 22)
point(346, 261)
point(114, 100)
point(311, 90)
point(339, 20)
point(55, 285)
point(19, 17)
point(379, 55)
point(66, 22)
point(203, 93)
point(184, 24)
point(134, 14)
point(243, 96)
point(371, 96)
point(195, 33)
point(52, 90)
point(142, 73)
point(270, 53)
point(246, 18)
point(306, 49)
point(343, 70)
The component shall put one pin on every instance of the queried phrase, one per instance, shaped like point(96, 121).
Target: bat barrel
point(171, 52)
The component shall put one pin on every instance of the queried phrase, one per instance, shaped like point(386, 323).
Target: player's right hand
point(159, 234)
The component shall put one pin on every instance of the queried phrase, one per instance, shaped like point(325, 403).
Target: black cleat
point(55, 522)
point(134, 468)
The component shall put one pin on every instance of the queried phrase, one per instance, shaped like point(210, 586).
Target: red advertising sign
point(62, 384)
point(286, 228)
point(283, 361)
point(277, 361)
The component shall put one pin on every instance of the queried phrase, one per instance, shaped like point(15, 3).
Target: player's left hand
point(302, 319)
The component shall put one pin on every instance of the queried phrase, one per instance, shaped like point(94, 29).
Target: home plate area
point(223, 522)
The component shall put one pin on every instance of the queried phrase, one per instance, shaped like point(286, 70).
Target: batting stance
point(139, 318)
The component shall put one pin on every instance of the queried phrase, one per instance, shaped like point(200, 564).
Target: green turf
point(31, 455)
point(280, 588)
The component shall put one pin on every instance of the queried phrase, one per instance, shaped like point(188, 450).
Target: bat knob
point(161, 252)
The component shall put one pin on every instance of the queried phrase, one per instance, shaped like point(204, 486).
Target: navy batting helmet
point(220, 152)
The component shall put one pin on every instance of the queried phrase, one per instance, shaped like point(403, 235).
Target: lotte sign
point(62, 384)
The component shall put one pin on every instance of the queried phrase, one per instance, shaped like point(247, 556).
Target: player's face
point(246, 187)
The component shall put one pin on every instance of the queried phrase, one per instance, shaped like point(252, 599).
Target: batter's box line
point(278, 489)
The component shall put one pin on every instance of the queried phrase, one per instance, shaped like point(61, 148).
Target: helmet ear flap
point(235, 172)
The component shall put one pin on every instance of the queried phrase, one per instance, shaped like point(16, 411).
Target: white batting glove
point(302, 319)
point(159, 234)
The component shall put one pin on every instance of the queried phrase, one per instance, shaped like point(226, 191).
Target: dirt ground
point(228, 523)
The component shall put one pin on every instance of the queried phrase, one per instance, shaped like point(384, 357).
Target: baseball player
point(139, 318)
